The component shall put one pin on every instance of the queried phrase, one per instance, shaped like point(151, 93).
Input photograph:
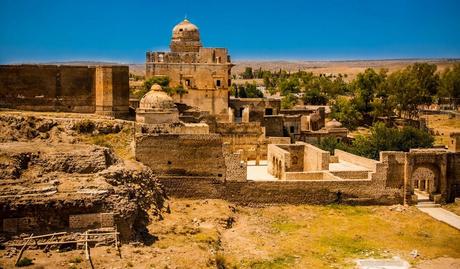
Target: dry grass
point(288, 236)
point(442, 126)
point(453, 207)
point(120, 142)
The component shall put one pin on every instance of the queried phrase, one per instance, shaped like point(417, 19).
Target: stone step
point(427, 205)
point(424, 200)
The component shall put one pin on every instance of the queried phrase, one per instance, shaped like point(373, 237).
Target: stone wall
point(315, 159)
point(82, 89)
point(18, 225)
point(248, 137)
point(182, 154)
point(285, 192)
point(236, 170)
point(95, 220)
point(258, 107)
point(205, 79)
point(274, 125)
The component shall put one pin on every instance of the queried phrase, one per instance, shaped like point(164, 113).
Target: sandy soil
point(212, 233)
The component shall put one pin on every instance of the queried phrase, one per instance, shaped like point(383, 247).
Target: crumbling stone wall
point(182, 154)
point(236, 170)
point(248, 137)
point(95, 220)
point(81, 89)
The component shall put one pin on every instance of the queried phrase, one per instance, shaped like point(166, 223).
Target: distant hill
point(351, 68)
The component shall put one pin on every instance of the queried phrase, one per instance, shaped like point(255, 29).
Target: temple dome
point(157, 99)
point(185, 37)
point(333, 124)
point(185, 25)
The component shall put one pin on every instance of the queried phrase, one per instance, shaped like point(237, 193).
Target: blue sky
point(61, 30)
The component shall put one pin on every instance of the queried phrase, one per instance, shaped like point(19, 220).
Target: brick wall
point(95, 220)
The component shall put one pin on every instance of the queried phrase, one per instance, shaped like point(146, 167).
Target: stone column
point(245, 115)
point(231, 115)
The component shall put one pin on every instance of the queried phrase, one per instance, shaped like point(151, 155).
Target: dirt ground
point(442, 126)
point(217, 234)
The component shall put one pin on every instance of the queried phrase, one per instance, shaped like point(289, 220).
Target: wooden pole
point(116, 243)
point(87, 251)
point(23, 249)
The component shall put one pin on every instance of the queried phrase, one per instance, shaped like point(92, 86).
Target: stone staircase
point(426, 203)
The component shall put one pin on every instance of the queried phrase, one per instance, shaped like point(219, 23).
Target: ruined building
point(203, 72)
point(103, 90)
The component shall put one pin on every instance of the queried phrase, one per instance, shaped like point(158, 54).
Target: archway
point(425, 181)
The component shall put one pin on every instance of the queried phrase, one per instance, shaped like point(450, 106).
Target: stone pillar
point(231, 115)
point(454, 142)
point(245, 115)
point(305, 123)
point(422, 185)
point(112, 90)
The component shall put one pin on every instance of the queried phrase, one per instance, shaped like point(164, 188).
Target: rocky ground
point(58, 160)
point(218, 234)
point(57, 166)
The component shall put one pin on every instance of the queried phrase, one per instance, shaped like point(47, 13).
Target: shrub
point(85, 126)
point(76, 260)
point(24, 262)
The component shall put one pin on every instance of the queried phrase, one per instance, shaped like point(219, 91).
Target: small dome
point(157, 99)
point(333, 124)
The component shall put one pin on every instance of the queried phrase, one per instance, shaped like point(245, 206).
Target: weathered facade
point(102, 90)
point(203, 72)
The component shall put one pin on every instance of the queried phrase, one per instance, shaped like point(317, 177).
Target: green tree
point(247, 74)
point(288, 101)
point(366, 85)
point(413, 86)
point(450, 85)
point(162, 81)
point(314, 97)
point(382, 138)
point(344, 110)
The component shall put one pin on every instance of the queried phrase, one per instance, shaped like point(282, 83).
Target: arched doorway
point(425, 180)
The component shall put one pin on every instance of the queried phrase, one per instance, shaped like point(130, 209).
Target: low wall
point(355, 159)
point(317, 175)
point(315, 158)
point(284, 192)
point(351, 174)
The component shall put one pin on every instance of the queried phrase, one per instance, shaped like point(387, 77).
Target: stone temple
point(203, 72)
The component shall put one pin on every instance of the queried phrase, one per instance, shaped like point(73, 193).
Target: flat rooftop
point(346, 166)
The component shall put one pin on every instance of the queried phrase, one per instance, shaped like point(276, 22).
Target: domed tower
point(157, 107)
point(185, 37)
